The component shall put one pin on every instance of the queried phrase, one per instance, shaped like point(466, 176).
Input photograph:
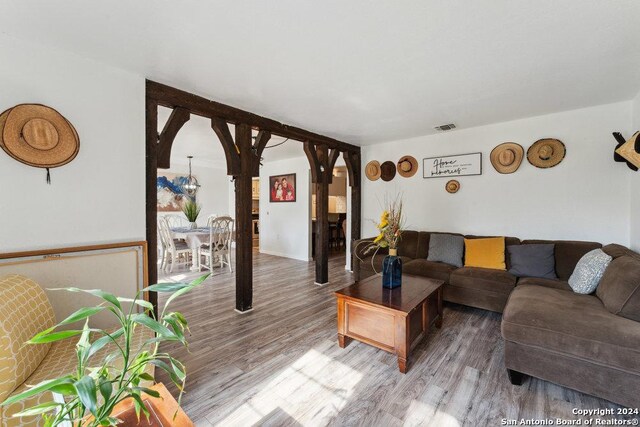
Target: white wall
point(586, 197)
point(213, 194)
point(100, 196)
point(285, 227)
point(635, 183)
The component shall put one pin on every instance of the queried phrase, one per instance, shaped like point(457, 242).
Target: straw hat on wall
point(407, 166)
point(546, 153)
point(372, 170)
point(630, 150)
point(38, 136)
point(507, 158)
point(388, 171)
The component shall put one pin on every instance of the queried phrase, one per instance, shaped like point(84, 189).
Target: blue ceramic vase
point(391, 270)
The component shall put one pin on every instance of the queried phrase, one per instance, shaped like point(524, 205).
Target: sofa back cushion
point(408, 244)
point(619, 288)
point(423, 244)
point(614, 251)
point(485, 253)
point(567, 254)
point(24, 311)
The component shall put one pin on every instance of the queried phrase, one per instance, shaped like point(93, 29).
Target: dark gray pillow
point(535, 260)
point(446, 248)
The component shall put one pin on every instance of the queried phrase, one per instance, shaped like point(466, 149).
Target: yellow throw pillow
point(485, 253)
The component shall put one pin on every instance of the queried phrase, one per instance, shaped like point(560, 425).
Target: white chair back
point(220, 234)
point(175, 221)
point(165, 233)
point(210, 219)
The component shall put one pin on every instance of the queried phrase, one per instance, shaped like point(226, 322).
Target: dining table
point(195, 238)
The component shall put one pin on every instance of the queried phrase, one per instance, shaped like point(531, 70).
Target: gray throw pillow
point(446, 248)
point(588, 272)
point(534, 260)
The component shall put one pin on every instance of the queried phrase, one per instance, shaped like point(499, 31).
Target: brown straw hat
point(507, 157)
point(388, 171)
point(452, 186)
point(630, 150)
point(407, 166)
point(546, 153)
point(38, 136)
point(372, 170)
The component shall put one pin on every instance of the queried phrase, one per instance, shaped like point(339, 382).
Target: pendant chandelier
point(191, 187)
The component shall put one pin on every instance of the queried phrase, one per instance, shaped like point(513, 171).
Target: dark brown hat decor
point(38, 136)
point(407, 166)
point(388, 171)
point(452, 186)
point(372, 170)
point(546, 153)
point(507, 157)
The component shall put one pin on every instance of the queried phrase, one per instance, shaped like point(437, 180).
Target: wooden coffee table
point(394, 320)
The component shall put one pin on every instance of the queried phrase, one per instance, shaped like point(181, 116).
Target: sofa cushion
point(588, 272)
point(434, 270)
point(615, 251)
point(567, 254)
point(408, 245)
point(571, 324)
point(423, 244)
point(485, 253)
point(619, 288)
point(532, 261)
point(377, 259)
point(547, 283)
point(499, 281)
point(447, 248)
point(24, 311)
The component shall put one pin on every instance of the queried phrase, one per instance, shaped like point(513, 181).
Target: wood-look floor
point(280, 365)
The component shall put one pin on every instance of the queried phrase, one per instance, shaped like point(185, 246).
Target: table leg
point(195, 259)
point(402, 342)
point(440, 312)
point(343, 341)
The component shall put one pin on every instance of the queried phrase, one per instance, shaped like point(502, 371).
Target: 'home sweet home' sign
point(458, 165)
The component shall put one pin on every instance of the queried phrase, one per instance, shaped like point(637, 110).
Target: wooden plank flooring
point(280, 365)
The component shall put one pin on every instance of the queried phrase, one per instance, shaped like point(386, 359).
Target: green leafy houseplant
point(191, 210)
point(97, 386)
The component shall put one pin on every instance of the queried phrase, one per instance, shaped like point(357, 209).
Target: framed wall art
point(282, 188)
point(456, 165)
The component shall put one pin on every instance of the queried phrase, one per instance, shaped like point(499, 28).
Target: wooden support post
point(244, 239)
point(352, 160)
point(151, 195)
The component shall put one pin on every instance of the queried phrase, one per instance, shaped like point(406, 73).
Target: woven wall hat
point(630, 150)
point(507, 157)
point(546, 153)
point(388, 171)
point(407, 166)
point(372, 170)
point(38, 136)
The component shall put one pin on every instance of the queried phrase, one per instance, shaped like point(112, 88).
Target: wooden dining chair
point(175, 249)
point(219, 247)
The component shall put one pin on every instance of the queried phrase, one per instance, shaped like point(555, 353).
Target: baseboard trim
point(283, 255)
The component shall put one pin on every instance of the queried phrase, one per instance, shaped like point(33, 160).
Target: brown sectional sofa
point(590, 343)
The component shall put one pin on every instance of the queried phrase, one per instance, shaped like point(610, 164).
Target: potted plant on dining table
point(112, 390)
point(191, 210)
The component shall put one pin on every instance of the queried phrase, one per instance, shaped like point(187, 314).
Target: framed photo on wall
point(282, 188)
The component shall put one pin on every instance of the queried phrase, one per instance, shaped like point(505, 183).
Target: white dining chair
point(175, 249)
point(219, 247)
point(210, 219)
point(176, 221)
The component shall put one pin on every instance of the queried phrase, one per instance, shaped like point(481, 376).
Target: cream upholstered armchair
point(25, 310)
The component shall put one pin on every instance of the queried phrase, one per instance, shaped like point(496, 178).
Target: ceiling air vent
point(444, 128)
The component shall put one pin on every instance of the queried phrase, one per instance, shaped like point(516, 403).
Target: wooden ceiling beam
point(170, 97)
point(221, 128)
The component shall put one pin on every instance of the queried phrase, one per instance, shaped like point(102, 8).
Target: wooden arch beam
point(231, 152)
point(179, 116)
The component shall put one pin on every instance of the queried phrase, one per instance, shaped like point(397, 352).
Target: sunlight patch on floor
point(315, 388)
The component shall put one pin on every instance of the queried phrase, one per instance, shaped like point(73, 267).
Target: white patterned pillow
point(588, 272)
